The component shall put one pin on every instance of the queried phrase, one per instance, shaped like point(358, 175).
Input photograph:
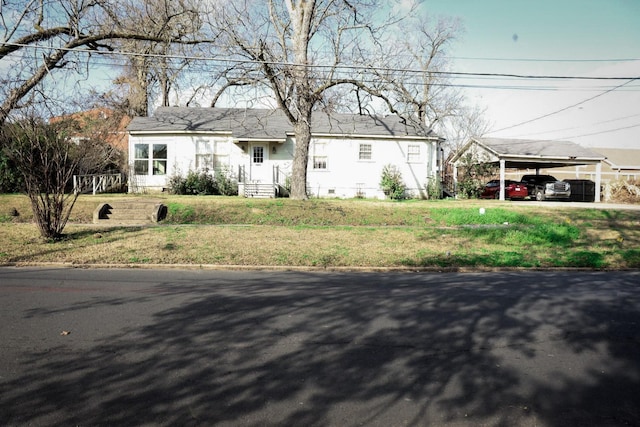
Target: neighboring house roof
point(621, 158)
point(531, 153)
point(267, 124)
point(104, 121)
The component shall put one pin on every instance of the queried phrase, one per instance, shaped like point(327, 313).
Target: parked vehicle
point(513, 190)
point(582, 190)
point(544, 187)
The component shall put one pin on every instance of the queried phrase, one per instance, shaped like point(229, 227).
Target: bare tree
point(39, 37)
point(47, 159)
point(465, 123)
point(303, 50)
point(295, 48)
point(409, 72)
point(153, 67)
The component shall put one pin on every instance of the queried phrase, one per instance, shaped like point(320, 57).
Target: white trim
point(362, 136)
point(179, 132)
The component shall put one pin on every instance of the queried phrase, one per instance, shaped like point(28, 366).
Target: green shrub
point(200, 183)
point(204, 183)
point(392, 183)
point(226, 185)
point(473, 172)
point(177, 184)
point(432, 188)
point(11, 180)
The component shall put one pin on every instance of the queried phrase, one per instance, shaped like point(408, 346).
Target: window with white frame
point(204, 154)
point(413, 153)
point(141, 159)
point(319, 155)
point(150, 157)
point(364, 153)
point(159, 159)
point(220, 154)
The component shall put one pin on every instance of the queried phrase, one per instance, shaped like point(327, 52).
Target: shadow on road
point(345, 349)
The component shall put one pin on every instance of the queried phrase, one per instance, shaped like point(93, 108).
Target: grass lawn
point(233, 231)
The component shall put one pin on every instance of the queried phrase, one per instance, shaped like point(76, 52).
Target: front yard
point(232, 231)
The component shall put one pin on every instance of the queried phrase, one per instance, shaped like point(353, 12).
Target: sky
point(575, 38)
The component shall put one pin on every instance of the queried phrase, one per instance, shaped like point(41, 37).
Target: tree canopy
point(304, 57)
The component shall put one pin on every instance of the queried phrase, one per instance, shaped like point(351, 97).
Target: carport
point(527, 154)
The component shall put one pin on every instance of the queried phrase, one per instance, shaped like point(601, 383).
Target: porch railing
point(99, 183)
point(282, 181)
point(242, 177)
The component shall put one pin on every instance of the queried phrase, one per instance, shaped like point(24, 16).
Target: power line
point(601, 132)
point(577, 127)
point(472, 58)
point(344, 67)
point(565, 108)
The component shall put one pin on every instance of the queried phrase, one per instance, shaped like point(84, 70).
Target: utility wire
point(333, 67)
point(601, 132)
point(471, 58)
point(577, 127)
point(565, 108)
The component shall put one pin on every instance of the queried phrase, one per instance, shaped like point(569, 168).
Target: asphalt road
point(142, 347)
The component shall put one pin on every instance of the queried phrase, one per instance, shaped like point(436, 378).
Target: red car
point(513, 190)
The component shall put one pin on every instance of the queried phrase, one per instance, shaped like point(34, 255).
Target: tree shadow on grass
point(219, 348)
point(60, 245)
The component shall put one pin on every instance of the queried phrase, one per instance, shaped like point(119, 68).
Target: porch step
point(259, 191)
point(129, 212)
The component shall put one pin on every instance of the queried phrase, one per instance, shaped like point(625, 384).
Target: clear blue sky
point(553, 32)
point(552, 29)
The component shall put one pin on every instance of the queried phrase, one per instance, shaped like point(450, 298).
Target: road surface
point(231, 348)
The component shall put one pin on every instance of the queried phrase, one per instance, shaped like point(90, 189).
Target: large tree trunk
point(301, 14)
point(302, 131)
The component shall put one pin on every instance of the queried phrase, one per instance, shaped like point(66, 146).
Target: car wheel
point(539, 195)
point(497, 195)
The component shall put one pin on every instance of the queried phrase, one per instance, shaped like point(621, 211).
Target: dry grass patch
point(319, 233)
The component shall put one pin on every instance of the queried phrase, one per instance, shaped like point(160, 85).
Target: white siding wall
point(181, 157)
point(345, 176)
point(348, 176)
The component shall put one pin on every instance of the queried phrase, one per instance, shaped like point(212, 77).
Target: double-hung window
point(319, 155)
point(204, 154)
point(364, 153)
point(220, 154)
point(413, 153)
point(159, 159)
point(141, 159)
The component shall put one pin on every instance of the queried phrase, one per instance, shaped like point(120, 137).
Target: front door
point(260, 171)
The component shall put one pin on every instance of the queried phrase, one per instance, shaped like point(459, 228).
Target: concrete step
point(129, 212)
point(132, 214)
point(260, 191)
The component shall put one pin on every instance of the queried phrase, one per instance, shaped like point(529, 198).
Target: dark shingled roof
point(533, 153)
point(537, 147)
point(268, 124)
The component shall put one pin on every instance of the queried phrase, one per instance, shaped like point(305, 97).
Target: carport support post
point(455, 181)
point(502, 189)
point(598, 181)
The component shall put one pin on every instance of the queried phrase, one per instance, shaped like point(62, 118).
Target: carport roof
point(529, 153)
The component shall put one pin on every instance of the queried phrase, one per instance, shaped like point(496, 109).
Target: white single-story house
point(256, 146)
